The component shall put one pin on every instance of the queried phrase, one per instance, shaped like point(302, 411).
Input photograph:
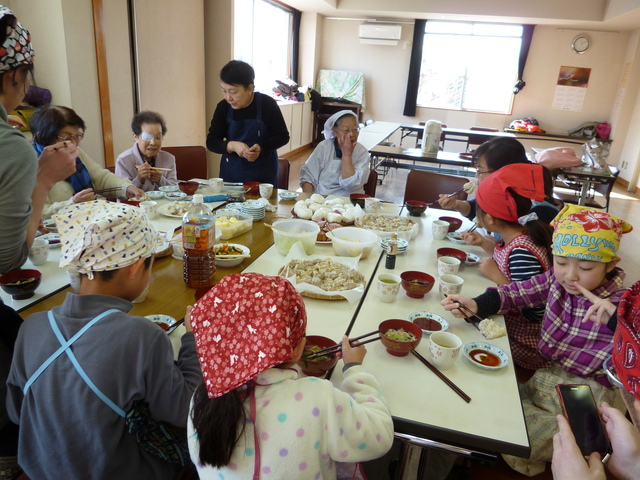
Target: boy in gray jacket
point(69, 429)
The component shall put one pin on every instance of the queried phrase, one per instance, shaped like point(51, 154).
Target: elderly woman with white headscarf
point(339, 165)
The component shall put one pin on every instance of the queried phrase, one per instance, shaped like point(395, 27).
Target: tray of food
point(231, 223)
point(175, 209)
point(383, 225)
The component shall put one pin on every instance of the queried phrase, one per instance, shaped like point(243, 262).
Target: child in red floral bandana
point(254, 417)
point(584, 247)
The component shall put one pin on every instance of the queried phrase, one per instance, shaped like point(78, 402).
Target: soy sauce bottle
point(392, 250)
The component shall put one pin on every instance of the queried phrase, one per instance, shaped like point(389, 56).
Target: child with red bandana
point(584, 248)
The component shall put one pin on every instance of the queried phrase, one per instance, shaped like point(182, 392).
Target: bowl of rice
point(399, 337)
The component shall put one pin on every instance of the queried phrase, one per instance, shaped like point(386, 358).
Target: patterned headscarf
point(626, 344)
point(99, 236)
point(246, 324)
point(493, 194)
point(16, 49)
point(587, 234)
point(331, 121)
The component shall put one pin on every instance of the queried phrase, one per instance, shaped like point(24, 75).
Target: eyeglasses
point(352, 130)
point(72, 138)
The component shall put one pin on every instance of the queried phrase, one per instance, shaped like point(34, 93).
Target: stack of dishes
point(403, 245)
point(234, 206)
point(254, 208)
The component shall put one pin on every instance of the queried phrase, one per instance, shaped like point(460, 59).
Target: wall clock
point(581, 44)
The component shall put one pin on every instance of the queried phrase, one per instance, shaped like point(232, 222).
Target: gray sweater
point(66, 431)
point(18, 168)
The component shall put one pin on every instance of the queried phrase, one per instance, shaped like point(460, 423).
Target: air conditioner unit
point(380, 34)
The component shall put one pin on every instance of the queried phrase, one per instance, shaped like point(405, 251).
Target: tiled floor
point(623, 205)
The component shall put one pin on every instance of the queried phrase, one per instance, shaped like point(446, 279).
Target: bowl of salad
point(317, 366)
point(230, 254)
point(399, 337)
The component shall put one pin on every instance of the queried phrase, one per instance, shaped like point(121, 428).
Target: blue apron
point(234, 168)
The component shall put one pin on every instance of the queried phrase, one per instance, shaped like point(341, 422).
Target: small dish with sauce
point(429, 322)
point(485, 355)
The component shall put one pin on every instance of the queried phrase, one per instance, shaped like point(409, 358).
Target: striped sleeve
point(523, 264)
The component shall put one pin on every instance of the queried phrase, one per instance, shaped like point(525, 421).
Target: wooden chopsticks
point(469, 313)
point(106, 191)
point(454, 193)
point(155, 168)
point(442, 376)
point(338, 346)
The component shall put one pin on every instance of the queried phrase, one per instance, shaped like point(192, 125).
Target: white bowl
point(163, 319)
point(352, 241)
point(155, 195)
point(231, 262)
point(288, 231)
point(444, 325)
point(169, 188)
point(173, 196)
point(476, 352)
point(286, 195)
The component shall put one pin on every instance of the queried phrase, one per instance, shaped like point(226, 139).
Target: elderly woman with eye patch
point(53, 124)
point(146, 164)
point(339, 165)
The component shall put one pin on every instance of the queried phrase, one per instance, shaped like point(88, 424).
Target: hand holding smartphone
point(580, 409)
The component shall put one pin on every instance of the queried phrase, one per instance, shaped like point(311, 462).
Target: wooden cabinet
point(329, 107)
point(299, 120)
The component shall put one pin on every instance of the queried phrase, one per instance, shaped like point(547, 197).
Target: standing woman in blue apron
point(247, 128)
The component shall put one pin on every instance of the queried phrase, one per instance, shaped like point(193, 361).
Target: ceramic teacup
point(215, 184)
point(444, 348)
point(450, 285)
point(39, 251)
point(440, 228)
point(448, 265)
point(150, 209)
point(387, 287)
point(266, 190)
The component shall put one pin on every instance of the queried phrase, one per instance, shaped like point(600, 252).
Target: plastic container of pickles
point(231, 223)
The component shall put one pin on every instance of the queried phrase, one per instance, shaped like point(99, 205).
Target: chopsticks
point(247, 255)
point(105, 191)
point(455, 193)
point(473, 229)
point(469, 313)
point(174, 326)
point(338, 346)
point(442, 376)
point(155, 168)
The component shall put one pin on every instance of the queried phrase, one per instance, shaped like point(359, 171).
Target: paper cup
point(387, 287)
point(440, 228)
point(266, 190)
point(150, 209)
point(450, 285)
point(448, 265)
point(39, 251)
point(444, 348)
point(215, 184)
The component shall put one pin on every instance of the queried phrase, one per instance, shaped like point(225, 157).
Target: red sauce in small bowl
point(485, 358)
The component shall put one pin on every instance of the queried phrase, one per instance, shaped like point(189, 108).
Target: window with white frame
point(469, 66)
point(263, 37)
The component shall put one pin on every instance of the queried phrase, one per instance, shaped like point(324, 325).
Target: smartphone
point(580, 409)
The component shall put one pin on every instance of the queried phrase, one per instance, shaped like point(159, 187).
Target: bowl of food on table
point(252, 188)
point(429, 322)
point(174, 196)
point(399, 337)
point(21, 284)
point(155, 195)
point(288, 231)
point(50, 225)
point(452, 252)
point(317, 366)
point(415, 208)
point(230, 254)
point(485, 355)
point(454, 223)
point(188, 187)
point(168, 188)
point(417, 284)
point(165, 322)
point(352, 241)
point(286, 195)
point(358, 198)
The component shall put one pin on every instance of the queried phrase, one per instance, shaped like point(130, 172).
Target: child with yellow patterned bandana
point(72, 410)
point(584, 247)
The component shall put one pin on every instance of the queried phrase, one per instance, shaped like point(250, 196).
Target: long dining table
point(426, 412)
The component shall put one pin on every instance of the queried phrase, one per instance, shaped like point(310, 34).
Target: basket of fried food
point(324, 278)
point(383, 225)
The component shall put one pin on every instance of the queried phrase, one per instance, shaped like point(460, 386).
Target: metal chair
point(427, 186)
point(372, 183)
point(476, 141)
point(284, 168)
point(191, 162)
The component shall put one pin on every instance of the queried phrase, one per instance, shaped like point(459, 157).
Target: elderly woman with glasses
point(146, 164)
point(53, 124)
point(339, 165)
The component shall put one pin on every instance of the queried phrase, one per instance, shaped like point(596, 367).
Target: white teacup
point(444, 348)
point(150, 209)
point(39, 251)
point(440, 228)
point(215, 184)
point(448, 265)
point(74, 279)
point(266, 190)
point(450, 285)
point(372, 204)
point(142, 296)
point(387, 287)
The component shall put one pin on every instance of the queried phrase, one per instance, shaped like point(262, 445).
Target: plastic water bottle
point(198, 239)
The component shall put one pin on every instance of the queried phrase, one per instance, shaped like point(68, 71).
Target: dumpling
point(320, 214)
point(334, 217)
point(315, 206)
point(348, 216)
point(335, 201)
point(305, 213)
point(316, 198)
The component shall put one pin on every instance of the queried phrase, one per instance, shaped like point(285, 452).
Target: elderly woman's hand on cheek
point(346, 143)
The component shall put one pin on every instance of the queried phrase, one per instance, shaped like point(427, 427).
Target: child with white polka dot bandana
point(255, 416)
